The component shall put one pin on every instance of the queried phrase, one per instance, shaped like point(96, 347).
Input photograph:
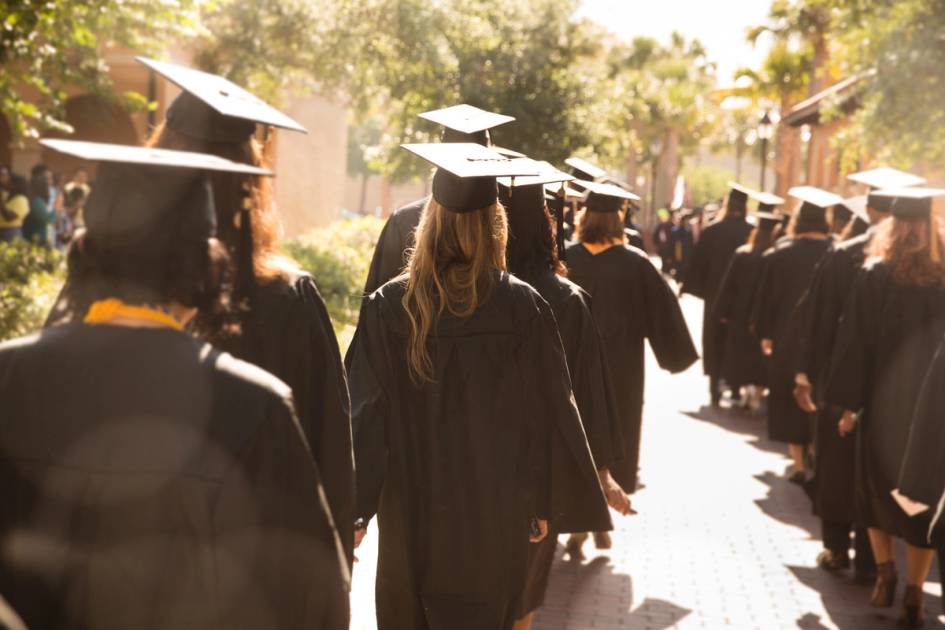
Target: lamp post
point(656, 148)
point(765, 131)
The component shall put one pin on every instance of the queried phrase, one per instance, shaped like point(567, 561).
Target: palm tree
point(803, 22)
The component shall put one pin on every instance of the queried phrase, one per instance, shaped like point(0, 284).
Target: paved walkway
point(721, 541)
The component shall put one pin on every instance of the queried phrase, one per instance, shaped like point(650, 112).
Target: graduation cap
point(465, 123)
point(584, 171)
point(605, 197)
point(738, 195)
point(911, 203)
point(856, 206)
point(769, 217)
point(886, 178)
point(766, 201)
point(215, 109)
point(145, 199)
point(815, 201)
point(465, 178)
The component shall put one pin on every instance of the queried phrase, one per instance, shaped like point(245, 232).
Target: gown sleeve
point(848, 383)
point(325, 408)
point(665, 325)
point(369, 405)
point(696, 280)
point(803, 324)
point(725, 300)
point(277, 559)
point(577, 501)
point(388, 260)
point(922, 477)
point(764, 307)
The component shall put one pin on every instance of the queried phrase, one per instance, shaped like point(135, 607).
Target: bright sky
point(720, 26)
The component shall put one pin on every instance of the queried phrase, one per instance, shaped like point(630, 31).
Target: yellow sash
point(105, 311)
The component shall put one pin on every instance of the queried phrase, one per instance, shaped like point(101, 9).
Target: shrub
point(30, 279)
point(338, 256)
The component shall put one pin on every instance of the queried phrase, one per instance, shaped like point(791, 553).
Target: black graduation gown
point(742, 360)
point(710, 258)
point(390, 252)
point(149, 481)
point(456, 469)
point(595, 401)
point(634, 238)
point(885, 343)
point(922, 476)
point(631, 302)
point(817, 318)
point(290, 335)
point(787, 269)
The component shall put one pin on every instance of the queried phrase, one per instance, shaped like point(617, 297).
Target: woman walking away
point(710, 257)
point(893, 322)
point(787, 270)
point(533, 257)
point(631, 302)
point(38, 223)
point(463, 415)
point(743, 364)
point(166, 484)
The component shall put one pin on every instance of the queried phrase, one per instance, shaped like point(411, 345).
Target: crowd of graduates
point(210, 460)
point(837, 311)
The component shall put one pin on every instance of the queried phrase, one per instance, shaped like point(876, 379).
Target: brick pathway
point(721, 541)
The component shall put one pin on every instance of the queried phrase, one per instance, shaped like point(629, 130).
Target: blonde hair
point(599, 227)
point(905, 245)
point(450, 269)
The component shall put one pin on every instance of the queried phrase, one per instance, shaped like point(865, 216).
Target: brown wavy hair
point(532, 248)
point(228, 197)
point(600, 227)
point(904, 245)
point(451, 268)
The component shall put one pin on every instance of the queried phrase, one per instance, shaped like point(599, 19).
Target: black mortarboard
point(769, 217)
point(857, 207)
point(738, 196)
point(886, 178)
point(465, 123)
point(605, 197)
point(766, 201)
point(465, 178)
point(214, 109)
point(911, 203)
point(584, 171)
point(528, 193)
point(815, 201)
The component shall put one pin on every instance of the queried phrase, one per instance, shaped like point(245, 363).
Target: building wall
point(381, 197)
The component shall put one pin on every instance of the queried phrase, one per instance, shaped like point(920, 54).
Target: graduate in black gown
point(165, 484)
point(710, 257)
point(833, 487)
point(461, 123)
point(467, 437)
point(893, 321)
point(533, 257)
point(744, 366)
point(631, 303)
point(787, 269)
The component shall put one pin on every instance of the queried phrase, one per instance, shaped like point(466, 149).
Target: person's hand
point(542, 529)
point(847, 423)
point(767, 347)
point(616, 497)
point(802, 395)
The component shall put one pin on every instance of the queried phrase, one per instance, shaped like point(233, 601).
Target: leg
point(918, 564)
point(884, 591)
point(865, 564)
point(525, 623)
point(714, 393)
point(836, 553)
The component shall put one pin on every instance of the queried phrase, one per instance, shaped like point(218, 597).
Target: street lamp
point(765, 131)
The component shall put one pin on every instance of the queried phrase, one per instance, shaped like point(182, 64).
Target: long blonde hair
point(450, 269)
point(905, 245)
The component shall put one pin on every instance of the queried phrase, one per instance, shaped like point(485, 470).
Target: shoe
point(574, 545)
point(602, 540)
point(830, 561)
point(913, 610)
point(884, 591)
point(798, 477)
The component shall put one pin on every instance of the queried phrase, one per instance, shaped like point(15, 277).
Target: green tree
point(48, 46)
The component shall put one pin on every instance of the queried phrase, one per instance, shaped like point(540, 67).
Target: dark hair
point(855, 227)
point(736, 207)
point(74, 197)
point(808, 220)
point(192, 272)
point(763, 236)
point(18, 185)
point(532, 249)
point(599, 227)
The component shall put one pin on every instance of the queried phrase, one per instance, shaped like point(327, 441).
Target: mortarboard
point(529, 193)
point(605, 197)
point(911, 203)
point(856, 207)
point(740, 194)
point(465, 123)
point(766, 201)
point(144, 199)
point(465, 179)
point(215, 109)
point(584, 171)
point(769, 217)
point(886, 178)
point(815, 201)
